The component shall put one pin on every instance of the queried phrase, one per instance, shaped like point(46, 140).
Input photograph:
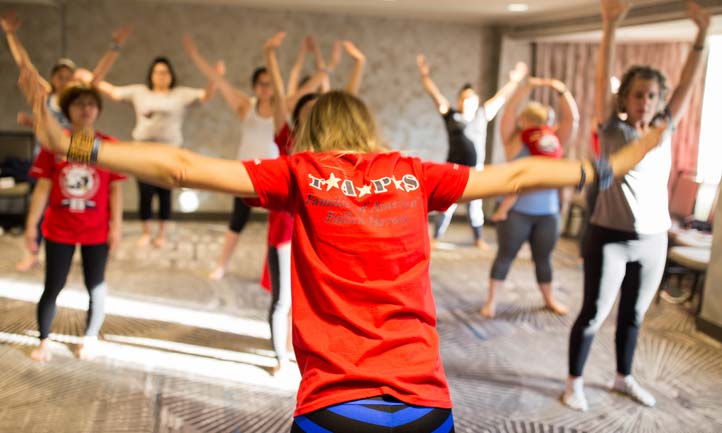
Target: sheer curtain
point(575, 63)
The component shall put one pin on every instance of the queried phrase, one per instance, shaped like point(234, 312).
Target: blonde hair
point(535, 112)
point(339, 121)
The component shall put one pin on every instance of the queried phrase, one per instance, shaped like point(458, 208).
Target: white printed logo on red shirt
point(78, 184)
point(407, 183)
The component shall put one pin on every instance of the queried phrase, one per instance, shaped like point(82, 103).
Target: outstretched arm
point(153, 163)
point(539, 172)
point(613, 12)
point(493, 105)
point(354, 81)
point(683, 92)
point(442, 104)
point(235, 98)
point(11, 24)
point(280, 109)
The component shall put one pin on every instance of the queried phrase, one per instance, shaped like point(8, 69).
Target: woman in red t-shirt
point(364, 319)
point(277, 272)
point(84, 206)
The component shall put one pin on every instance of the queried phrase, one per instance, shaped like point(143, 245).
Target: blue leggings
point(381, 414)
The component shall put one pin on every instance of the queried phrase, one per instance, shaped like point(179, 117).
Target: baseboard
point(712, 329)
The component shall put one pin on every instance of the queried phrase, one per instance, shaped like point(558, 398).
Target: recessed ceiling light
point(518, 7)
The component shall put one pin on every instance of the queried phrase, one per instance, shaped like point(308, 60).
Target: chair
point(692, 261)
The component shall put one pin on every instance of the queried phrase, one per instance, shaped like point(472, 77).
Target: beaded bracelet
point(81, 147)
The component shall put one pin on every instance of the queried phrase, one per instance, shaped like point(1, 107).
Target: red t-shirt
point(78, 209)
point(364, 319)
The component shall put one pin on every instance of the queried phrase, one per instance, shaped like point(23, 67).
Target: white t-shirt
point(159, 116)
point(257, 136)
point(638, 202)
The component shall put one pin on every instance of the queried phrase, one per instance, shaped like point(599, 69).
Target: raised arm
point(153, 163)
point(442, 104)
point(613, 12)
point(493, 105)
point(106, 62)
point(569, 121)
point(354, 81)
point(539, 172)
point(237, 100)
point(508, 126)
point(11, 24)
point(681, 95)
point(295, 75)
point(280, 109)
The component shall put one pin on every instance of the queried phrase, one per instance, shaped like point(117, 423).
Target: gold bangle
point(81, 147)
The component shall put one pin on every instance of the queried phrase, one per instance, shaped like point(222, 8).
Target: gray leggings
point(542, 232)
point(279, 267)
point(612, 260)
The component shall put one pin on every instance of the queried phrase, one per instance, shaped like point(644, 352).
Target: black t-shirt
point(467, 139)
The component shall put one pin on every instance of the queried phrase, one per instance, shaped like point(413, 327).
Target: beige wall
point(458, 53)
point(712, 301)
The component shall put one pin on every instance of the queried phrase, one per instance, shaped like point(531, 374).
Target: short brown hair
point(75, 91)
point(339, 121)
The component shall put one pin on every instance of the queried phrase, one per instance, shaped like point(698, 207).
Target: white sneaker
point(628, 386)
point(575, 399)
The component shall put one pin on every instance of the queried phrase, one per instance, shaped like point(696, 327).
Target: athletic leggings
point(542, 232)
point(474, 214)
point(146, 193)
point(375, 415)
point(614, 259)
point(58, 258)
point(279, 268)
point(240, 215)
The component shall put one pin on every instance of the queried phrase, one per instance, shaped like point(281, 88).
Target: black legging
point(542, 232)
point(58, 258)
point(615, 260)
point(145, 196)
point(240, 215)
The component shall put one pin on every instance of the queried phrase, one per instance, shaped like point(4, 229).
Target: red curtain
point(575, 63)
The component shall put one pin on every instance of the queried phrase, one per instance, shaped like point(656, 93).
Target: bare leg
point(550, 302)
point(159, 240)
point(144, 239)
point(489, 309)
point(229, 245)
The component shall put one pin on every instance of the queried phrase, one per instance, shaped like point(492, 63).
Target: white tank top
point(257, 136)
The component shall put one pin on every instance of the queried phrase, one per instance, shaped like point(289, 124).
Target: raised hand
point(537, 82)
point(220, 67)
point(122, 33)
point(275, 41)
point(700, 17)
point(519, 72)
point(614, 11)
point(10, 22)
point(423, 67)
point(353, 51)
point(82, 74)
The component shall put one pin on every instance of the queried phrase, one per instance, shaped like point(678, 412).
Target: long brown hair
point(339, 121)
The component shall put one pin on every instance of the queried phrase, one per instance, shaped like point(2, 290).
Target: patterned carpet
point(182, 354)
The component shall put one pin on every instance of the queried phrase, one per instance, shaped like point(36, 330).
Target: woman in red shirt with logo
point(364, 320)
point(84, 206)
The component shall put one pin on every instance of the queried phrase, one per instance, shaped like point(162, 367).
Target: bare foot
point(557, 308)
point(27, 263)
point(143, 240)
point(483, 246)
point(41, 353)
point(488, 310)
point(88, 349)
point(159, 242)
point(281, 368)
point(217, 273)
